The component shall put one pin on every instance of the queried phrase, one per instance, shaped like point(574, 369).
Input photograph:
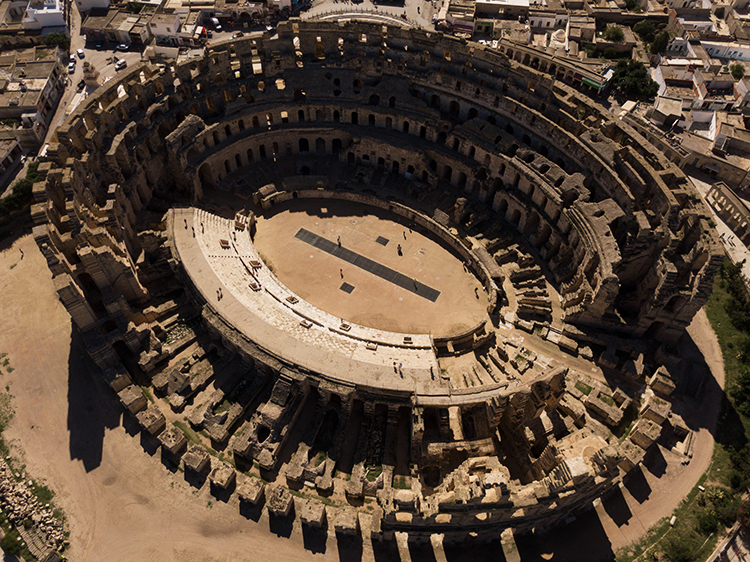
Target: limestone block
point(280, 501)
point(347, 521)
point(196, 459)
point(132, 398)
point(222, 476)
point(661, 382)
point(251, 490)
point(404, 499)
point(151, 419)
point(313, 514)
point(173, 440)
point(644, 433)
point(117, 377)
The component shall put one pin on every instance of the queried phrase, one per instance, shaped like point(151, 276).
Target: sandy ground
point(317, 276)
point(124, 504)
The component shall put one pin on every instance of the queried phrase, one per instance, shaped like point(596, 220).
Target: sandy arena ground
point(123, 504)
point(317, 276)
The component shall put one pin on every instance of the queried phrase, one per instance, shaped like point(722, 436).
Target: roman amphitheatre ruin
point(377, 269)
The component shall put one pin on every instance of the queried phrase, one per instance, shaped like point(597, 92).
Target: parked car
point(71, 68)
point(72, 58)
point(120, 64)
point(209, 34)
point(237, 34)
point(80, 53)
point(123, 47)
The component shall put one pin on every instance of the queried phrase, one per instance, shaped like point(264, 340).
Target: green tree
point(631, 79)
point(613, 33)
point(59, 39)
point(660, 42)
point(610, 53)
point(646, 30)
point(737, 70)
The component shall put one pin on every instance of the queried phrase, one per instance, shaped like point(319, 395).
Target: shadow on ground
point(92, 406)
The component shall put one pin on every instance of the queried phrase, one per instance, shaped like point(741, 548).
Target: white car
point(120, 64)
point(80, 53)
point(72, 58)
point(71, 68)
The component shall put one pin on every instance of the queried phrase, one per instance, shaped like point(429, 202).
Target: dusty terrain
point(317, 276)
point(123, 504)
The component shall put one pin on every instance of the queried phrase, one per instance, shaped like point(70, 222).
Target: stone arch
point(304, 145)
point(249, 155)
point(320, 146)
point(392, 102)
point(238, 160)
point(454, 108)
point(371, 120)
point(355, 118)
point(406, 127)
point(336, 146)
point(473, 113)
point(374, 99)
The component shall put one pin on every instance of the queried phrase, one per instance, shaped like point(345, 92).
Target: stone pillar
point(510, 550)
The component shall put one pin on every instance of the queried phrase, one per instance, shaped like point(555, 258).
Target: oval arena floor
point(365, 280)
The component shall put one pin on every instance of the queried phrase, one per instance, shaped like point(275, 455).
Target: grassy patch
point(223, 407)
point(191, 435)
point(147, 393)
point(583, 387)
point(42, 493)
point(606, 399)
point(315, 497)
point(373, 472)
point(400, 483)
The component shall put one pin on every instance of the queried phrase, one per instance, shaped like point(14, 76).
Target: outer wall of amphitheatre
point(609, 251)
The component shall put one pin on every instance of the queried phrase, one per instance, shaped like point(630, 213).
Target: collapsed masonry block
point(313, 514)
point(280, 501)
point(132, 398)
point(222, 476)
point(173, 440)
point(151, 419)
point(196, 459)
point(251, 490)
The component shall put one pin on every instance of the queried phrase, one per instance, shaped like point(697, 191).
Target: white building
point(732, 51)
point(44, 13)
